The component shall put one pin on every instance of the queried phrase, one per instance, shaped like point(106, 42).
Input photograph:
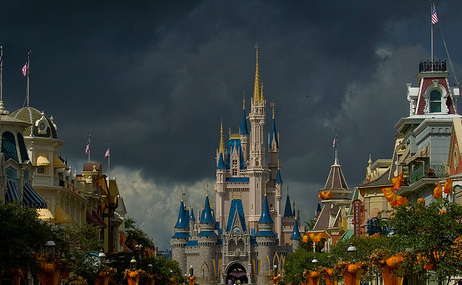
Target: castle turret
point(295, 237)
point(180, 237)
point(207, 238)
point(266, 239)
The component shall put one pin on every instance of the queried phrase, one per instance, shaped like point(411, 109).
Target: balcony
point(426, 66)
point(425, 170)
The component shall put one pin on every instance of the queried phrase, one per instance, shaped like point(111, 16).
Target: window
point(435, 101)
point(41, 170)
point(9, 146)
point(234, 167)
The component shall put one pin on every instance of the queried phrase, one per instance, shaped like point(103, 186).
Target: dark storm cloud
point(156, 79)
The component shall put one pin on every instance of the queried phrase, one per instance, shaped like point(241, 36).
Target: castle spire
point(256, 90)
point(222, 144)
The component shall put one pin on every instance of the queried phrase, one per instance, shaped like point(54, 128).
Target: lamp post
point(275, 274)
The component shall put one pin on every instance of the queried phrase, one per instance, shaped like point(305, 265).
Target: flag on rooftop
point(24, 70)
point(335, 141)
point(434, 15)
point(108, 153)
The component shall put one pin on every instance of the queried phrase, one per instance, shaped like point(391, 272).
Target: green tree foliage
point(73, 242)
point(428, 235)
point(21, 235)
point(136, 236)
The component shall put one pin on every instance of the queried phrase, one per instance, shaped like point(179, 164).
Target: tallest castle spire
point(256, 91)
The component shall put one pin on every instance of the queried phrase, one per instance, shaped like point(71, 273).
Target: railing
point(425, 170)
point(432, 66)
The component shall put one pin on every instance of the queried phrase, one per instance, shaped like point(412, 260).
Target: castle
point(246, 237)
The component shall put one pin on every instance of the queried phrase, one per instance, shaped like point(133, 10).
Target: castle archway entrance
point(236, 274)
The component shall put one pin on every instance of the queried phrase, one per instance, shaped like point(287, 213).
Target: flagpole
point(1, 73)
point(28, 67)
point(431, 36)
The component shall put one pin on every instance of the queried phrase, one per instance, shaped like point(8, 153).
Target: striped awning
point(31, 198)
point(12, 194)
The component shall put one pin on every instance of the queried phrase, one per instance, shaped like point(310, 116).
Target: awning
point(45, 215)
point(93, 218)
point(12, 194)
point(31, 198)
point(42, 161)
point(61, 215)
point(58, 163)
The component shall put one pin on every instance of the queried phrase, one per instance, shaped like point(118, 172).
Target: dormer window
point(435, 101)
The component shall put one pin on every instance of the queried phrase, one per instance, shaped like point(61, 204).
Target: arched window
point(435, 101)
point(9, 146)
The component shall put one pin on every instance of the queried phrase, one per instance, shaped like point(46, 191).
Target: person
point(230, 282)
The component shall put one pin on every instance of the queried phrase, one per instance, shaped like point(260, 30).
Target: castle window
point(435, 101)
point(235, 166)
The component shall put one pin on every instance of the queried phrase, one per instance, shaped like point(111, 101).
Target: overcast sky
point(155, 78)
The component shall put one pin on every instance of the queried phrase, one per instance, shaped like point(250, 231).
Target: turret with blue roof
point(207, 222)
point(288, 209)
point(265, 223)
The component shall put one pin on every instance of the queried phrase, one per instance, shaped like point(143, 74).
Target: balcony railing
point(432, 66)
point(425, 170)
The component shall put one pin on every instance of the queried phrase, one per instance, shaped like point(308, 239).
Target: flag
point(107, 153)
point(335, 141)
point(434, 16)
point(24, 69)
point(87, 148)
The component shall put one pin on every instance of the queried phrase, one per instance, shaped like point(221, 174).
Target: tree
point(21, 235)
point(136, 236)
point(430, 236)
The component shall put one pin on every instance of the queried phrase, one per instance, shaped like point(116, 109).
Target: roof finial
point(334, 145)
point(207, 193)
point(265, 189)
point(287, 190)
point(279, 165)
point(256, 90)
point(182, 194)
point(272, 105)
point(243, 100)
point(222, 144)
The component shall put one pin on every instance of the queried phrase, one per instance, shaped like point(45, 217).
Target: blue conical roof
point(265, 217)
point(191, 215)
point(288, 208)
point(206, 217)
point(296, 233)
point(221, 164)
point(182, 221)
point(278, 177)
point(273, 134)
point(244, 130)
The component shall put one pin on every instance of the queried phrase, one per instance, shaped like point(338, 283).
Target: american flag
point(108, 153)
point(335, 141)
point(87, 148)
point(434, 16)
point(24, 69)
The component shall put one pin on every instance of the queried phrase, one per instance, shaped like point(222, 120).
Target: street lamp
point(275, 270)
point(50, 248)
point(133, 264)
point(191, 270)
point(351, 250)
point(315, 262)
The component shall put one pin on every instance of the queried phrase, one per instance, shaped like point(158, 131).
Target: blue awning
point(12, 194)
point(31, 198)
